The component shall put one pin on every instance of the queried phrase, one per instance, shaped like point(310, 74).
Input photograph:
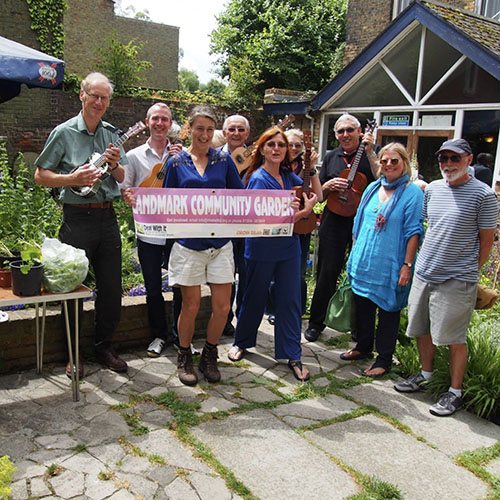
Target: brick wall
point(18, 346)
point(86, 24)
point(366, 20)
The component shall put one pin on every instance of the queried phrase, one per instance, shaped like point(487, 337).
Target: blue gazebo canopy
point(21, 64)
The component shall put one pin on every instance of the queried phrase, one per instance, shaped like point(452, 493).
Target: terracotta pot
point(5, 277)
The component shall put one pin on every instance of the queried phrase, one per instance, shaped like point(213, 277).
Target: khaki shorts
point(188, 267)
point(441, 310)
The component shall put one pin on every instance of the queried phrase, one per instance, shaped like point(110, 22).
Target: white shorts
point(188, 267)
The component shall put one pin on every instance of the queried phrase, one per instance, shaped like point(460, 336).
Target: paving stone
point(122, 495)
point(258, 394)
point(272, 461)
point(180, 490)
point(162, 474)
point(68, 484)
point(49, 457)
point(140, 485)
point(347, 372)
point(104, 428)
point(208, 487)
point(428, 473)
point(19, 490)
point(17, 446)
point(62, 441)
point(108, 454)
point(90, 411)
point(216, 404)
point(463, 431)
point(321, 382)
point(297, 422)
point(163, 443)
point(12, 411)
point(135, 465)
point(96, 489)
point(494, 467)
point(316, 409)
point(39, 488)
point(97, 395)
point(83, 462)
point(26, 469)
point(157, 419)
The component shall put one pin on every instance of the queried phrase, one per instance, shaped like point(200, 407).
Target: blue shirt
point(272, 249)
point(220, 173)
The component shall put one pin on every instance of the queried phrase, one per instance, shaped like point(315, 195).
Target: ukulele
point(98, 161)
point(157, 175)
point(243, 156)
point(345, 203)
point(305, 225)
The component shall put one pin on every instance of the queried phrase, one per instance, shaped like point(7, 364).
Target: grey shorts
point(442, 310)
point(188, 267)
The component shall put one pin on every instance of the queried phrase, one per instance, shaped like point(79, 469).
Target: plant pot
point(5, 275)
point(5, 261)
point(26, 285)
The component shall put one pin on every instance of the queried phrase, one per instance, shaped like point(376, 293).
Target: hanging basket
point(26, 285)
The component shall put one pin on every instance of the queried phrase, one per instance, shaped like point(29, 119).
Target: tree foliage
point(188, 80)
point(289, 43)
point(120, 62)
point(213, 87)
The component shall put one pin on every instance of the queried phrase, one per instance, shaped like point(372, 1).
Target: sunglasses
point(341, 131)
point(234, 129)
point(452, 158)
point(392, 161)
point(273, 144)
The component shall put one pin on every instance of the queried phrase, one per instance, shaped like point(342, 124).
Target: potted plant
point(6, 257)
point(27, 272)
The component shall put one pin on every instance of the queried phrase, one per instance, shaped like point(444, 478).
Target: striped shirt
point(455, 214)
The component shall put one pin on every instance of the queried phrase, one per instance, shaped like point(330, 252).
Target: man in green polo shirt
point(90, 222)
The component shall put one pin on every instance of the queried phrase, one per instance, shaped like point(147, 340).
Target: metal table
point(7, 298)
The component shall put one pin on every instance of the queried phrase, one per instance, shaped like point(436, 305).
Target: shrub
point(6, 471)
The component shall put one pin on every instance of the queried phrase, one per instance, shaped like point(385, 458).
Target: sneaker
point(208, 365)
point(447, 404)
point(412, 384)
point(185, 369)
point(155, 348)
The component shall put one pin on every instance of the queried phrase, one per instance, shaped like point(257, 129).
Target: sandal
point(350, 356)
point(298, 364)
point(375, 375)
point(236, 353)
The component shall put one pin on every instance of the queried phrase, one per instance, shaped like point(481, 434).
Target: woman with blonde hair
point(386, 233)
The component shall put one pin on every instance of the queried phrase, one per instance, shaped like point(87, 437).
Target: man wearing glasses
point(90, 222)
point(335, 231)
point(462, 214)
point(236, 130)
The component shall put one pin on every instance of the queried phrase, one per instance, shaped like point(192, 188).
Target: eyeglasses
point(341, 131)
point(296, 145)
point(273, 144)
point(393, 161)
point(95, 97)
point(234, 129)
point(452, 158)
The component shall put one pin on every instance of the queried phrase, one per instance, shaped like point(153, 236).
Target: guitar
point(242, 156)
point(345, 203)
point(157, 175)
point(305, 225)
point(98, 161)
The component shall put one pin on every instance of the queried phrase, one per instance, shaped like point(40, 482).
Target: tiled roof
point(482, 30)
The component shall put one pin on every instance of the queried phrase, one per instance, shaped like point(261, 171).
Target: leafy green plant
point(6, 471)
point(27, 210)
point(31, 255)
point(120, 62)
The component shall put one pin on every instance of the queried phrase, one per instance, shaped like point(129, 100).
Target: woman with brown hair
point(277, 257)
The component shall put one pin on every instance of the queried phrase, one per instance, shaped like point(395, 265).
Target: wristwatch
point(409, 264)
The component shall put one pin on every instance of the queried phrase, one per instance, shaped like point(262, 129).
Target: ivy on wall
point(46, 21)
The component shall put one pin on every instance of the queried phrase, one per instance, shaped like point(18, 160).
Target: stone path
point(258, 434)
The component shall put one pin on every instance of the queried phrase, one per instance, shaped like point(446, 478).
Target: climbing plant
point(46, 21)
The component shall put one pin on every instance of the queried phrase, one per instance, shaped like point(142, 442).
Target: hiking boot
point(447, 404)
point(185, 369)
point(412, 384)
point(155, 348)
point(208, 364)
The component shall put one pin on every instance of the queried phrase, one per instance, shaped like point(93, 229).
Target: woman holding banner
point(195, 261)
point(277, 257)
